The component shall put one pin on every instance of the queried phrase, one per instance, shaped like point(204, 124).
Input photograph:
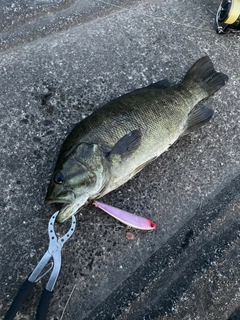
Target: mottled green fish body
point(116, 141)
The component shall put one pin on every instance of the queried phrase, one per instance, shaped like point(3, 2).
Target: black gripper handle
point(43, 305)
point(20, 298)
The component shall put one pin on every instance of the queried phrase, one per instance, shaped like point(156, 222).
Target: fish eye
point(59, 178)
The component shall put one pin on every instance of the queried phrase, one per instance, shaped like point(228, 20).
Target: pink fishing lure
point(126, 217)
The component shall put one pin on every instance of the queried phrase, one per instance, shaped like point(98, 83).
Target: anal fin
point(197, 118)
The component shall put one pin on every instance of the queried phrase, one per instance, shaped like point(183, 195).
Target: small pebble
point(130, 236)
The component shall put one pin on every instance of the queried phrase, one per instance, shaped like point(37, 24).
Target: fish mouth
point(51, 201)
point(66, 197)
point(72, 208)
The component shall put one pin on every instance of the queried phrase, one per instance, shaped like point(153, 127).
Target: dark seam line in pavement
point(235, 315)
point(128, 291)
point(167, 290)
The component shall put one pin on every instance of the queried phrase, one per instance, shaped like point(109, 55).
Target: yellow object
point(234, 12)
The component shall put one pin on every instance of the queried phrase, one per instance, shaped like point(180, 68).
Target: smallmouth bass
point(118, 140)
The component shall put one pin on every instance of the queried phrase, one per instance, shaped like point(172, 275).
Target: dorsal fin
point(162, 84)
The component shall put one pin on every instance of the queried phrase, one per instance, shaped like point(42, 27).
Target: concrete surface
point(60, 60)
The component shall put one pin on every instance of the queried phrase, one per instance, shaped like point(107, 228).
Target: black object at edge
point(21, 296)
point(44, 303)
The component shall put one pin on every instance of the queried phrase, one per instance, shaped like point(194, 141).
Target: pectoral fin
point(126, 145)
point(197, 118)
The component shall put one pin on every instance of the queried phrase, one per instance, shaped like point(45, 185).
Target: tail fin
point(204, 73)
